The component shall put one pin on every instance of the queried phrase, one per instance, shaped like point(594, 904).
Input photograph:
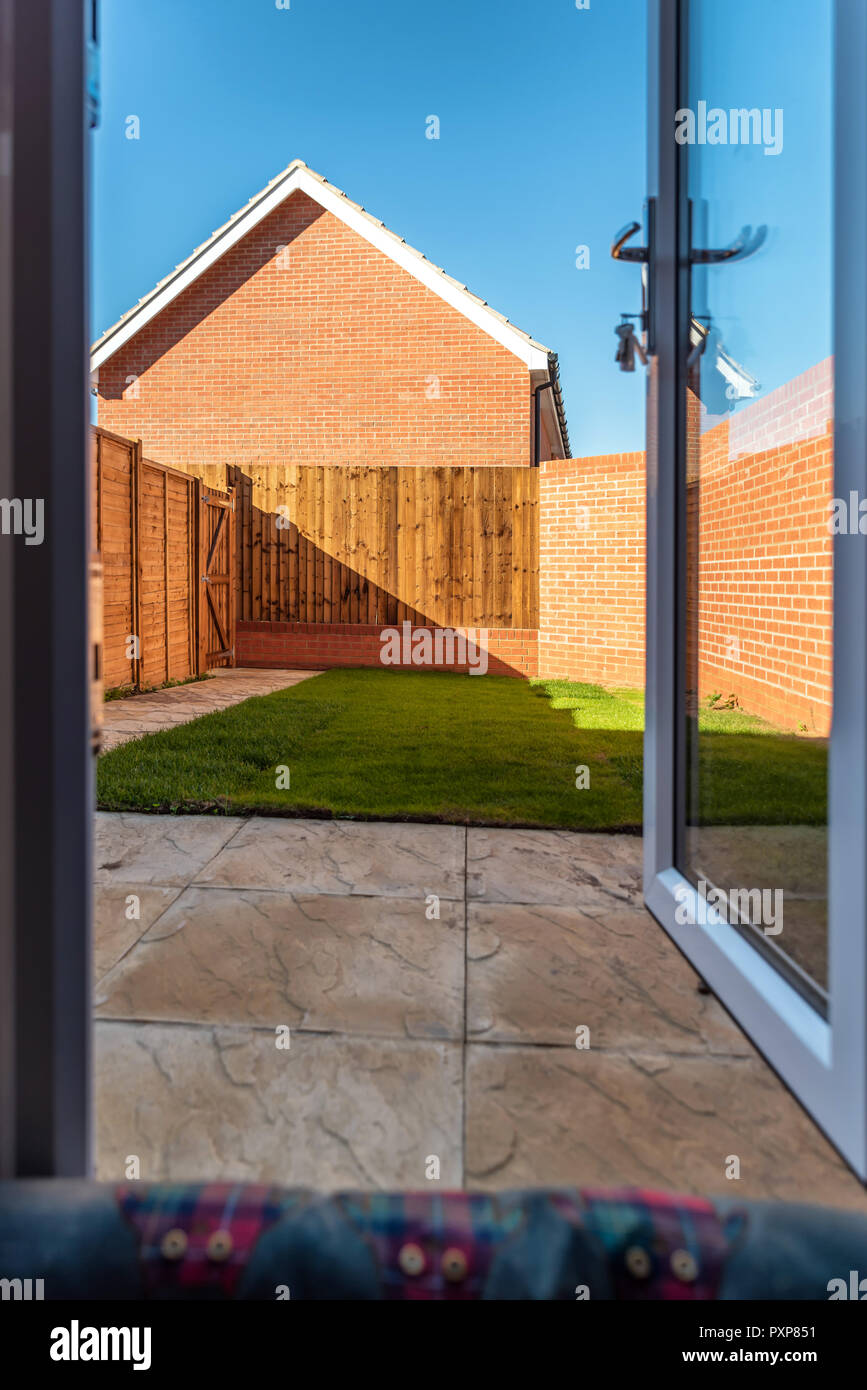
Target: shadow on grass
point(432, 746)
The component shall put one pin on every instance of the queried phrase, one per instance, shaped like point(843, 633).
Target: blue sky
point(773, 310)
point(541, 149)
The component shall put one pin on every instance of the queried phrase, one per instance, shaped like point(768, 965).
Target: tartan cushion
point(658, 1246)
point(196, 1240)
point(455, 1233)
point(219, 1224)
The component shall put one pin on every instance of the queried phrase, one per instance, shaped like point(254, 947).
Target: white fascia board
point(299, 178)
point(198, 264)
point(386, 242)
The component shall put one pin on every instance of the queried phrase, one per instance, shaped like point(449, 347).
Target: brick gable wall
point(322, 352)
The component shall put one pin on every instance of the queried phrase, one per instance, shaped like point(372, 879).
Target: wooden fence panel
point(113, 495)
point(454, 547)
point(151, 533)
point(146, 532)
point(181, 576)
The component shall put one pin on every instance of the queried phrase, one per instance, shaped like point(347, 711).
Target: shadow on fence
point(449, 547)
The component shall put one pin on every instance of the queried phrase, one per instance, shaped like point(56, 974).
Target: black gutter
point(553, 382)
point(537, 419)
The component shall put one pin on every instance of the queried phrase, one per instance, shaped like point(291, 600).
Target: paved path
point(163, 709)
point(432, 979)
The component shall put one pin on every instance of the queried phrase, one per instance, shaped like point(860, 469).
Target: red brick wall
point(511, 651)
point(325, 352)
point(764, 554)
point(760, 487)
point(591, 569)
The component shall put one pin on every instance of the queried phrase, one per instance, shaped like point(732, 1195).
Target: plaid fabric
point(473, 1224)
point(243, 1210)
point(663, 1227)
point(641, 1244)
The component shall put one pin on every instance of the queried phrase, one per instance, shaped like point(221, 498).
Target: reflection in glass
point(759, 477)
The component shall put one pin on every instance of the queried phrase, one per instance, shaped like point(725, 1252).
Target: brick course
point(511, 651)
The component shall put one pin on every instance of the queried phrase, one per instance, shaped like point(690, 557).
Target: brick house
point(304, 331)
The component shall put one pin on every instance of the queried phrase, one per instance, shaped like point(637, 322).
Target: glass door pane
point(755, 674)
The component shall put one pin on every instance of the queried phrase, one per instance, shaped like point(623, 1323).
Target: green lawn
point(435, 746)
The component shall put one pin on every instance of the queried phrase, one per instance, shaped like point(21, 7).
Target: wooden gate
point(216, 579)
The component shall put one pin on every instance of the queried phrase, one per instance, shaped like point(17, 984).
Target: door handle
point(643, 256)
point(621, 252)
point(745, 244)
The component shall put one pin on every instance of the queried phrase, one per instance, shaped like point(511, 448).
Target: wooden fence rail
point(153, 528)
point(454, 547)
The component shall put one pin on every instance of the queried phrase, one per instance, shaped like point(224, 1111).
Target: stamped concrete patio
point(415, 1035)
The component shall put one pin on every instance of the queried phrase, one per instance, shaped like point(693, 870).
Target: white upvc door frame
point(822, 1061)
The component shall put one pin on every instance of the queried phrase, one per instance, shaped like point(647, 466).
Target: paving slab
point(329, 1112)
point(122, 913)
point(537, 973)
point(365, 966)
point(672, 1123)
point(130, 847)
point(560, 867)
point(386, 859)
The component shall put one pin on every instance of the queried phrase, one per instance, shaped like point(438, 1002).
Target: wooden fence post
point(201, 657)
point(231, 587)
point(166, 604)
point(192, 588)
point(136, 561)
point(235, 486)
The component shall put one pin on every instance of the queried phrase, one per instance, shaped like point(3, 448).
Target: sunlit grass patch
point(435, 746)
